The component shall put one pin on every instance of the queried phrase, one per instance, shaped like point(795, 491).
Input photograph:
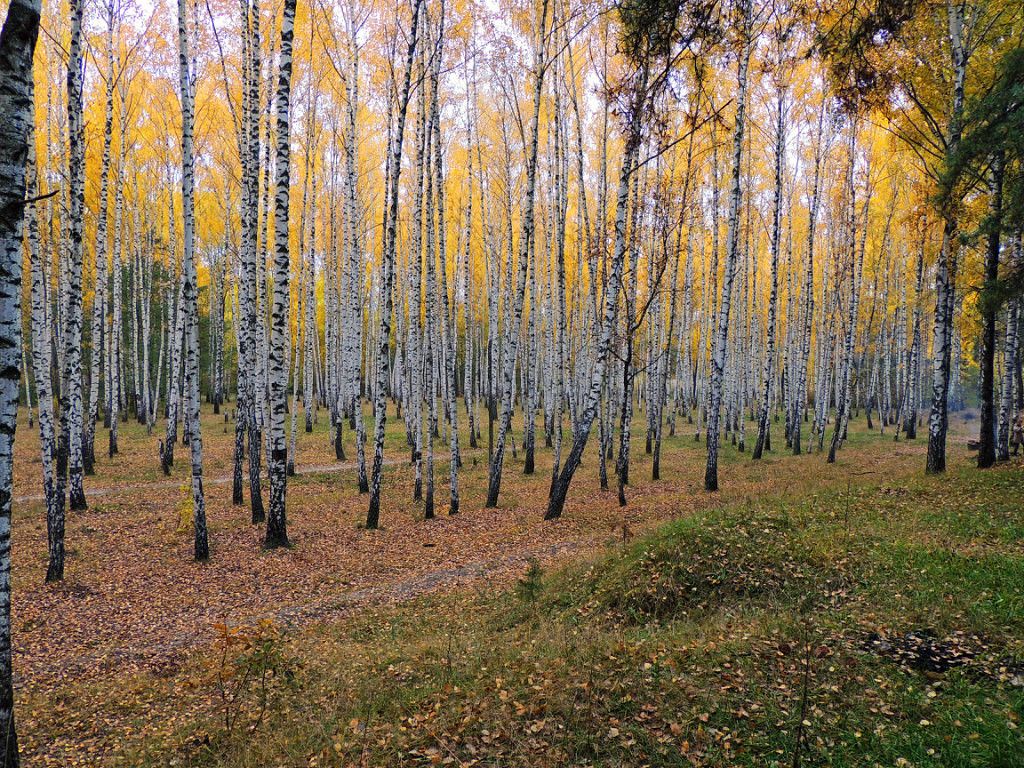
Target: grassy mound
point(713, 563)
point(872, 626)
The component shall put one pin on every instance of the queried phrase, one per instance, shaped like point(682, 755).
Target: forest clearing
point(511, 382)
point(120, 664)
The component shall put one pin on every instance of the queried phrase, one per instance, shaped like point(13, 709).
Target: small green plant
point(531, 584)
point(251, 664)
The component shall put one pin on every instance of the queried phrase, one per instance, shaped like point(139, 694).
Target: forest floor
point(669, 632)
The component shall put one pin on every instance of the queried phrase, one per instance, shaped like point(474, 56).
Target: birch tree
point(190, 288)
point(70, 446)
point(718, 353)
point(989, 311)
point(17, 45)
point(651, 35)
point(1011, 355)
point(945, 274)
point(99, 296)
point(277, 534)
point(514, 321)
point(42, 356)
point(767, 372)
point(394, 169)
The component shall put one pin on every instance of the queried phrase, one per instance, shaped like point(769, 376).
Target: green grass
point(731, 637)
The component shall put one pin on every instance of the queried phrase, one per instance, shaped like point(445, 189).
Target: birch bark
point(71, 392)
point(277, 534)
point(190, 290)
point(388, 270)
point(718, 354)
point(17, 44)
point(514, 322)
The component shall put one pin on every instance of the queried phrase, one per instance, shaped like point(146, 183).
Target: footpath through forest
point(133, 600)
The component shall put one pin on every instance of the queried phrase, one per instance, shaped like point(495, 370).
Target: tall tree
point(526, 234)
point(394, 169)
point(945, 274)
point(773, 295)
point(70, 446)
point(190, 287)
point(989, 313)
point(277, 534)
point(99, 294)
point(718, 353)
point(17, 46)
point(653, 35)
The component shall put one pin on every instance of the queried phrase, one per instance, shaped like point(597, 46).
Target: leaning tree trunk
point(718, 352)
point(386, 288)
point(592, 403)
point(561, 195)
point(525, 241)
point(17, 44)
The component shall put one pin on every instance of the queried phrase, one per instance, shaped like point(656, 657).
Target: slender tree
point(514, 321)
point(190, 288)
point(277, 534)
point(718, 353)
point(989, 312)
point(767, 373)
point(17, 45)
point(394, 170)
point(71, 389)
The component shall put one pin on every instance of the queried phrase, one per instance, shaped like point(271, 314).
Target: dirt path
point(334, 607)
point(101, 491)
point(133, 600)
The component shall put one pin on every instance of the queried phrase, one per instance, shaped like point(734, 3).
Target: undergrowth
point(870, 626)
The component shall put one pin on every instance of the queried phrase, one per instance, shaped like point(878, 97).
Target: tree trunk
point(388, 268)
point(989, 312)
point(945, 274)
point(190, 291)
point(277, 534)
point(592, 403)
point(71, 392)
point(718, 354)
point(525, 240)
point(17, 44)
point(773, 295)
point(1011, 354)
